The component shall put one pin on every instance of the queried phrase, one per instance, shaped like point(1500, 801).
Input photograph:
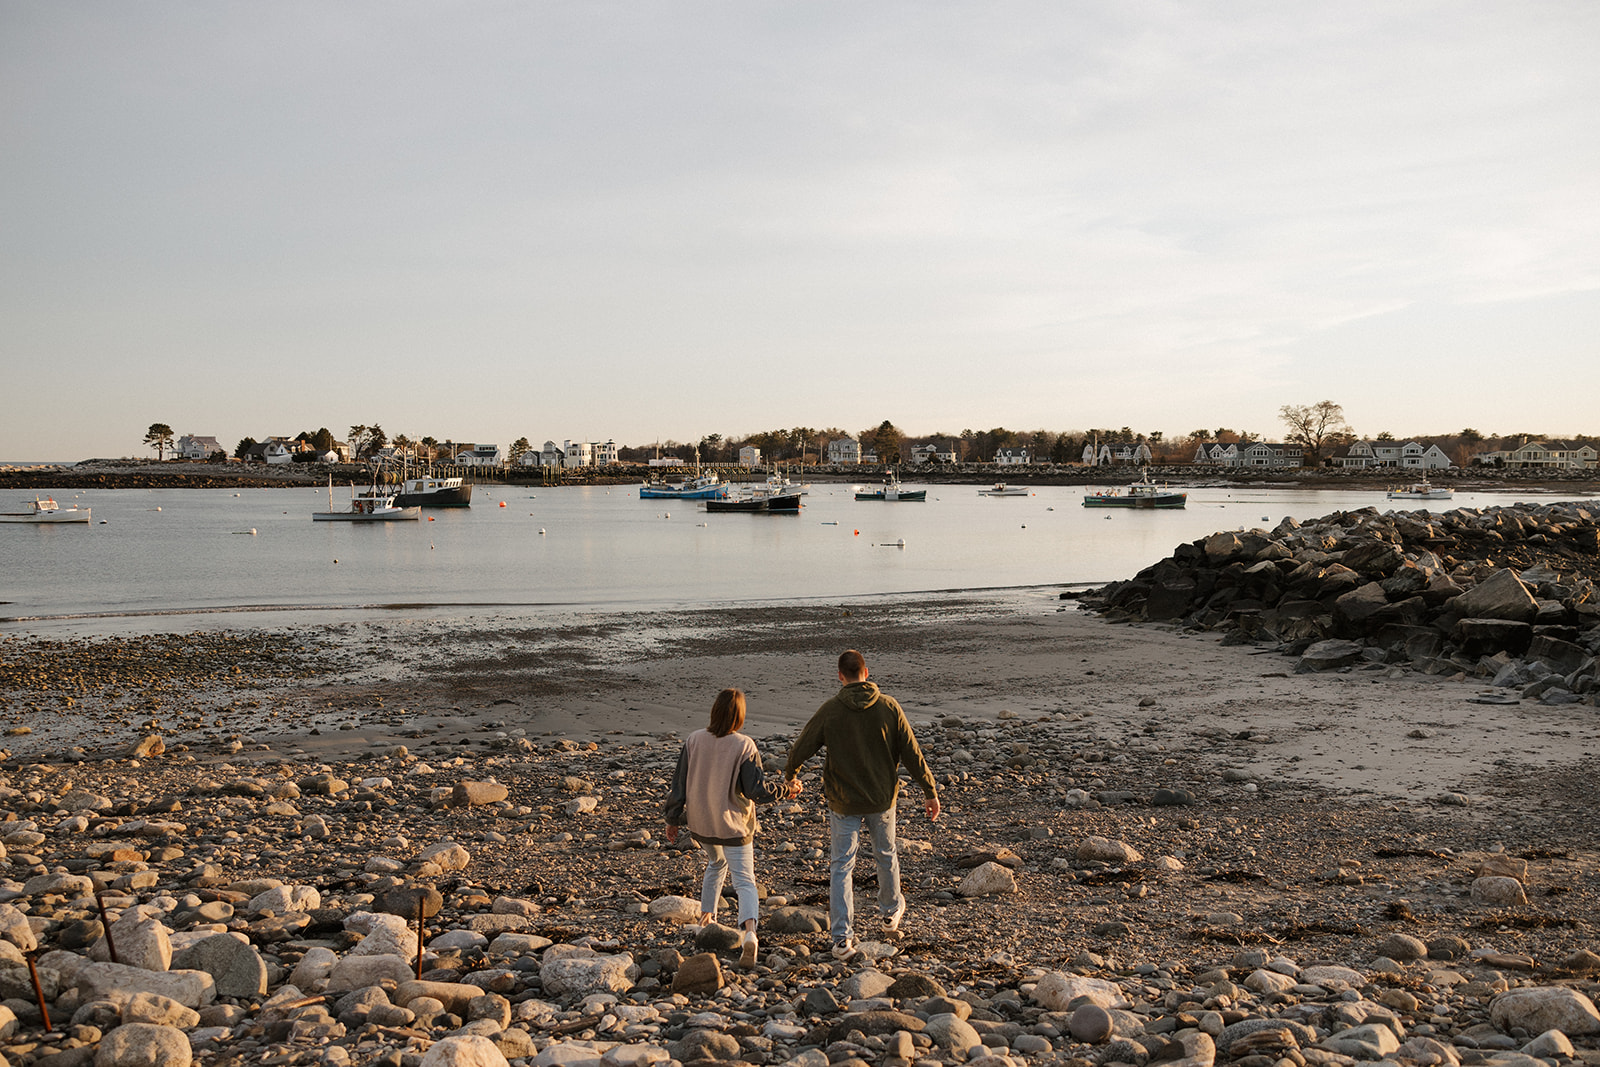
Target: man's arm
point(912, 759)
point(805, 746)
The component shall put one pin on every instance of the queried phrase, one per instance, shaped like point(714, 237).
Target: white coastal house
point(270, 451)
point(577, 454)
point(749, 456)
point(1560, 455)
point(191, 446)
point(481, 456)
point(1223, 455)
point(1274, 455)
point(1390, 453)
point(932, 453)
point(1111, 452)
point(1012, 457)
point(844, 450)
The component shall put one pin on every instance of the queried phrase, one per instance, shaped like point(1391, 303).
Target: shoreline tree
point(1314, 427)
point(159, 437)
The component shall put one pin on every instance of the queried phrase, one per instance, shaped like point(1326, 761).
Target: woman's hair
point(727, 712)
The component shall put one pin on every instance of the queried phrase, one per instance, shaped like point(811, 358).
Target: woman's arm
point(677, 796)
point(753, 782)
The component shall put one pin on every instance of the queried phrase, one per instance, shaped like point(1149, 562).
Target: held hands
point(792, 788)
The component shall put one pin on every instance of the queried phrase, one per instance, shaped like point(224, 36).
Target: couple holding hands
point(719, 780)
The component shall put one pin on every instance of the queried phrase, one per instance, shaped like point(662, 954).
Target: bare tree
point(1314, 426)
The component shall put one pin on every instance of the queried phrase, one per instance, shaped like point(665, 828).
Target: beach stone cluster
point(268, 913)
point(1506, 594)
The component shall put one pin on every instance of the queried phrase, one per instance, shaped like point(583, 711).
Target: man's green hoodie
point(867, 738)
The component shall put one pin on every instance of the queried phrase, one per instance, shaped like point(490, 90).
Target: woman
point(715, 791)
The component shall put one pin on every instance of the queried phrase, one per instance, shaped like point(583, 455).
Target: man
point(867, 738)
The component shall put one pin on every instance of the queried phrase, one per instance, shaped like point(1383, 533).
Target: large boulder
point(144, 1045)
point(1329, 655)
point(587, 974)
point(1542, 1008)
point(1485, 637)
point(463, 1050)
point(192, 989)
point(1056, 991)
point(236, 966)
point(1500, 596)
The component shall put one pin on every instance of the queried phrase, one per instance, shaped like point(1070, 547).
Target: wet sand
point(338, 689)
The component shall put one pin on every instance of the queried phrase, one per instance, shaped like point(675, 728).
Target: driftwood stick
point(419, 937)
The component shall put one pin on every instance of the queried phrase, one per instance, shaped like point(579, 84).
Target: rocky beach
point(1315, 795)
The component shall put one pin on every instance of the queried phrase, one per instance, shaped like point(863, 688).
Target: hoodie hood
point(859, 695)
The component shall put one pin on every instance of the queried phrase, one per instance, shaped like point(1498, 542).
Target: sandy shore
point(1172, 810)
point(337, 690)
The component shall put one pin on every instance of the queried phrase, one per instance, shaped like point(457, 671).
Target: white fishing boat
point(45, 511)
point(374, 505)
point(1002, 489)
point(1423, 490)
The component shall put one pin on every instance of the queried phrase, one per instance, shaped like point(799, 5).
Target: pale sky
point(643, 220)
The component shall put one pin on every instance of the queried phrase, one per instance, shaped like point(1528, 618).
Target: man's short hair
point(852, 664)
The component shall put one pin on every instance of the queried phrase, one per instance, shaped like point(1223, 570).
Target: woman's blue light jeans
point(740, 861)
point(847, 833)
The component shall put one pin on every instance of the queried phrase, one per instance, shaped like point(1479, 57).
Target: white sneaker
point(891, 923)
point(748, 947)
point(843, 950)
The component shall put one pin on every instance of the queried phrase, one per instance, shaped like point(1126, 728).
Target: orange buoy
point(502, 503)
point(858, 533)
point(430, 518)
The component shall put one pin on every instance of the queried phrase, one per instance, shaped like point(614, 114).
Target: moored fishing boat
point(1423, 490)
point(371, 506)
point(1002, 489)
point(1141, 494)
point(783, 504)
point(892, 490)
point(431, 492)
point(705, 486)
point(45, 511)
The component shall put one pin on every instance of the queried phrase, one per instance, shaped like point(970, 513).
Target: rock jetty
point(1505, 594)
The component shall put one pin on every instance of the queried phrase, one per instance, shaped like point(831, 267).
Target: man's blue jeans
point(847, 834)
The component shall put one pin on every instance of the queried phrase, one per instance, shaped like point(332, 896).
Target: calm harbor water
point(156, 554)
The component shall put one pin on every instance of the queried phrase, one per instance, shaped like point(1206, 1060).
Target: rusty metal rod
point(38, 992)
point(105, 924)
